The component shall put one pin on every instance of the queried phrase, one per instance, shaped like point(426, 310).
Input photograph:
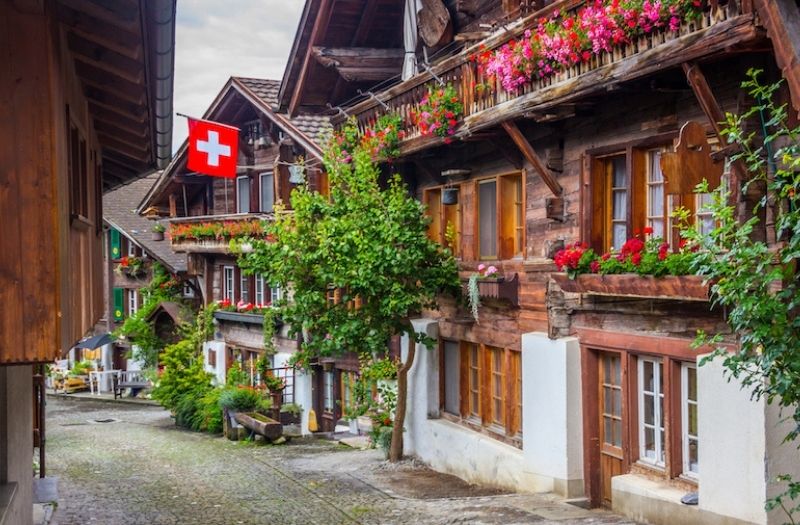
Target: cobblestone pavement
point(140, 469)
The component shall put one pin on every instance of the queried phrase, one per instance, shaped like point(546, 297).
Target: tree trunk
point(396, 449)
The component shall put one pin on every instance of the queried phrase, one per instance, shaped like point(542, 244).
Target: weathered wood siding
point(50, 271)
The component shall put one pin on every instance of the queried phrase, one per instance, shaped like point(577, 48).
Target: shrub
point(244, 400)
point(81, 368)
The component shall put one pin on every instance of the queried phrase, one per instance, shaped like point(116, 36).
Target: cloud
point(216, 40)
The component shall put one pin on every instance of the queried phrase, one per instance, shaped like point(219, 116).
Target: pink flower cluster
point(560, 42)
point(438, 112)
point(484, 271)
point(241, 306)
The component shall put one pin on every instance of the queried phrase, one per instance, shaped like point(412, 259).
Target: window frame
point(133, 301)
point(275, 293)
point(515, 220)
point(261, 176)
point(258, 292)
point(685, 434)
point(328, 394)
point(239, 179)
point(659, 424)
point(443, 215)
point(229, 289)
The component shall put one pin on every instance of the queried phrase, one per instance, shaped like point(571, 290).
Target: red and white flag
point(213, 148)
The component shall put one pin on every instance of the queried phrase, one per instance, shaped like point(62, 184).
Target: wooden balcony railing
point(722, 26)
point(213, 233)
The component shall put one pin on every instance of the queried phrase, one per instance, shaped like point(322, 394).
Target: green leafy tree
point(367, 247)
point(756, 282)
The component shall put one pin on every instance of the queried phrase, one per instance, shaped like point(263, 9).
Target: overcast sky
point(216, 40)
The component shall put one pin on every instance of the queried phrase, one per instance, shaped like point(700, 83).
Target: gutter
point(160, 28)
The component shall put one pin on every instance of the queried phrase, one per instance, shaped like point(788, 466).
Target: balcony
point(213, 233)
point(719, 29)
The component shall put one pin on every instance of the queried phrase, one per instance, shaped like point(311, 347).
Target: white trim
point(275, 293)
point(685, 436)
point(229, 290)
point(261, 177)
point(258, 295)
point(243, 285)
point(658, 418)
point(239, 194)
point(133, 301)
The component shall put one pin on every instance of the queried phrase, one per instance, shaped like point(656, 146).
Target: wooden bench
point(133, 380)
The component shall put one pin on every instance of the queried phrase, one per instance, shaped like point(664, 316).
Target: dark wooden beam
point(320, 23)
point(511, 154)
point(125, 135)
point(117, 120)
point(105, 59)
point(365, 23)
point(531, 156)
point(124, 89)
point(100, 100)
point(782, 20)
point(90, 28)
point(117, 13)
point(135, 151)
point(367, 74)
point(355, 56)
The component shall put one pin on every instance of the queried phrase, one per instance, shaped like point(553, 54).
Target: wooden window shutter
point(116, 243)
point(119, 302)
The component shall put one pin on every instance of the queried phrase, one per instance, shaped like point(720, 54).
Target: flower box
point(683, 288)
point(498, 288)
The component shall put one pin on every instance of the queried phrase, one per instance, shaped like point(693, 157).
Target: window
point(131, 248)
point(347, 381)
point(615, 174)
point(133, 302)
point(487, 222)
point(259, 289)
point(483, 385)
point(651, 411)
point(244, 287)
point(78, 170)
point(243, 194)
point(188, 291)
point(266, 184)
point(276, 294)
point(474, 380)
point(497, 386)
point(327, 391)
point(689, 416)
point(501, 223)
point(452, 377)
point(228, 291)
point(656, 198)
point(445, 225)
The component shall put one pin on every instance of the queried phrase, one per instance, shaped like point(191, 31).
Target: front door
point(611, 395)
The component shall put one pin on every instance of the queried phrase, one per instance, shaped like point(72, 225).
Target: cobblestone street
point(139, 468)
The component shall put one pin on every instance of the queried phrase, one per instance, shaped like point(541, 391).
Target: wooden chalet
point(86, 91)
point(589, 387)
point(275, 154)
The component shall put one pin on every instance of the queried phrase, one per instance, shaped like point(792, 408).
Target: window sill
point(492, 431)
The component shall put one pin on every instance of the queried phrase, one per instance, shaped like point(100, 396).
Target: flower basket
point(682, 288)
point(158, 235)
point(450, 196)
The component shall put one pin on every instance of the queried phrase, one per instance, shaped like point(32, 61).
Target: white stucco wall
point(552, 418)
point(303, 397)
point(219, 370)
point(16, 438)
point(551, 458)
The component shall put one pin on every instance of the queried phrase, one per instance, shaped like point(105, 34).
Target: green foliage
point(378, 369)
point(292, 408)
point(81, 368)
point(136, 329)
point(183, 373)
point(244, 399)
point(236, 376)
point(270, 320)
point(369, 242)
point(273, 384)
point(757, 284)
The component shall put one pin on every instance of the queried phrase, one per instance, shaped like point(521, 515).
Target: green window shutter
point(116, 244)
point(119, 312)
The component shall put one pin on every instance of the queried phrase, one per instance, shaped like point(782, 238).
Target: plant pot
point(158, 236)
point(450, 196)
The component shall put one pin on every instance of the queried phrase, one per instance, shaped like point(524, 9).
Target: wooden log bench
point(135, 381)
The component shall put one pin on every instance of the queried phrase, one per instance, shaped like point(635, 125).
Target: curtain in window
point(488, 218)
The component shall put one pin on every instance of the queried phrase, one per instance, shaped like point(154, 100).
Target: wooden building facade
point(86, 96)
point(586, 388)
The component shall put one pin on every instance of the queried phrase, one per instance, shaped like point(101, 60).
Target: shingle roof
point(119, 210)
point(267, 90)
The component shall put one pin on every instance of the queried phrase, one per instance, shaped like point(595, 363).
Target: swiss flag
point(213, 148)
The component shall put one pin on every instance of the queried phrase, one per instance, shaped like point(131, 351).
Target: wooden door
point(610, 410)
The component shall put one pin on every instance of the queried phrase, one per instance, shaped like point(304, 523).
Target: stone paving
point(139, 468)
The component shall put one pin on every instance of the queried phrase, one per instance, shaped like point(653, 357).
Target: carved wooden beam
point(120, 40)
point(105, 59)
point(356, 64)
point(716, 117)
point(531, 156)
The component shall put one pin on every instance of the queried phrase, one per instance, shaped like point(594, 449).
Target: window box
point(498, 288)
point(238, 317)
point(684, 287)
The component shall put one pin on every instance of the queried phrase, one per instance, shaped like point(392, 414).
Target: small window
point(266, 184)
point(473, 352)
point(133, 302)
point(651, 411)
point(244, 288)
point(131, 248)
point(689, 409)
point(452, 377)
point(228, 291)
point(212, 358)
point(487, 221)
point(656, 201)
point(497, 386)
point(243, 194)
point(617, 177)
point(276, 294)
point(348, 381)
point(259, 289)
point(188, 291)
point(327, 391)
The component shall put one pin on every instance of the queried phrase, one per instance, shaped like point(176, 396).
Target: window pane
point(267, 192)
point(243, 195)
point(488, 218)
point(693, 461)
point(620, 172)
point(649, 443)
point(617, 397)
point(617, 424)
point(647, 376)
point(452, 376)
point(692, 383)
point(620, 206)
point(649, 410)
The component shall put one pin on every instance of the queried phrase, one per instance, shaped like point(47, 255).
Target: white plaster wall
point(303, 397)
point(552, 417)
point(219, 370)
point(782, 458)
point(731, 428)
point(447, 446)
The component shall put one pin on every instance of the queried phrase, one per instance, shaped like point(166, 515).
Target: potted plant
point(275, 385)
point(158, 232)
point(290, 414)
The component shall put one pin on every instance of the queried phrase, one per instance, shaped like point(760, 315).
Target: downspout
point(160, 23)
